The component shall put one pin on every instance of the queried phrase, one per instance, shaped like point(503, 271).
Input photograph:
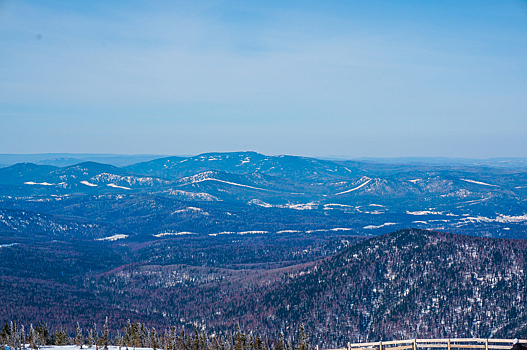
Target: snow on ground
point(330, 205)
point(162, 234)
point(239, 233)
point(369, 227)
point(8, 245)
point(38, 183)
point(260, 203)
point(88, 184)
point(192, 195)
point(424, 212)
point(341, 229)
point(288, 231)
point(354, 189)
point(112, 238)
point(479, 182)
point(188, 209)
point(415, 180)
point(376, 205)
point(246, 160)
point(504, 219)
point(302, 206)
point(116, 186)
point(206, 177)
point(252, 232)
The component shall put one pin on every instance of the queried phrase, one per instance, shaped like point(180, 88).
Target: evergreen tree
point(90, 338)
point(33, 337)
point(302, 341)
point(104, 338)
point(280, 345)
point(79, 338)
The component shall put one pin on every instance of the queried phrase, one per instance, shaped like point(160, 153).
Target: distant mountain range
point(248, 191)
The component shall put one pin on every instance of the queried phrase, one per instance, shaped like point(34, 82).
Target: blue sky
point(314, 78)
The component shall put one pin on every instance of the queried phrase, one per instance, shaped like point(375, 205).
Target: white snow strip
point(230, 183)
point(116, 186)
point(288, 231)
point(424, 212)
point(38, 183)
point(376, 205)
point(162, 234)
point(8, 245)
point(415, 180)
point(112, 238)
point(336, 205)
point(419, 222)
point(246, 160)
point(222, 233)
point(341, 229)
point(186, 210)
point(302, 206)
point(260, 203)
point(252, 232)
point(369, 227)
point(354, 189)
point(88, 184)
point(479, 182)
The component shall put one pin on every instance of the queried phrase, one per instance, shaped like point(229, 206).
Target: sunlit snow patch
point(341, 229)
point(88, 184)
point(162, 234)
point(354, 189)
point(38, 183)
point(369, 227)
point(116, 186)
point(8, 245)
point(479, 182)
point(252, 232)
point(424, 212)
point(112, 238)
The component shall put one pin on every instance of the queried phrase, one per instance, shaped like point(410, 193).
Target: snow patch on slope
point(112, 238)
point(369, 227)
point(162, 234)
point(479, 182)
point(354, 189)
point(116, 186)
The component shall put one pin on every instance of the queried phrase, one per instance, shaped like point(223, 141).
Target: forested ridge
point(407, 284)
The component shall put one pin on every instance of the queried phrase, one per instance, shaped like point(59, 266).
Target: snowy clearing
point(116, 186)
point(88, 184)
point(354, 189)
point(162, 234)
point(112, 238)
point(369, 227)
point(8, 245)
point(424, 212)
point(38, 183)
point(478, 182)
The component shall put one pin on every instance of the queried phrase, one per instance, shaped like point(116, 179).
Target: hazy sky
point(314, 78)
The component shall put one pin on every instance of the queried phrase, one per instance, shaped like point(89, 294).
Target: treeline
point(137, 335)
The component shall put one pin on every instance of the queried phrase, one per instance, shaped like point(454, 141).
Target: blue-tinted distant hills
point(247, 191)
point(66, 159)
